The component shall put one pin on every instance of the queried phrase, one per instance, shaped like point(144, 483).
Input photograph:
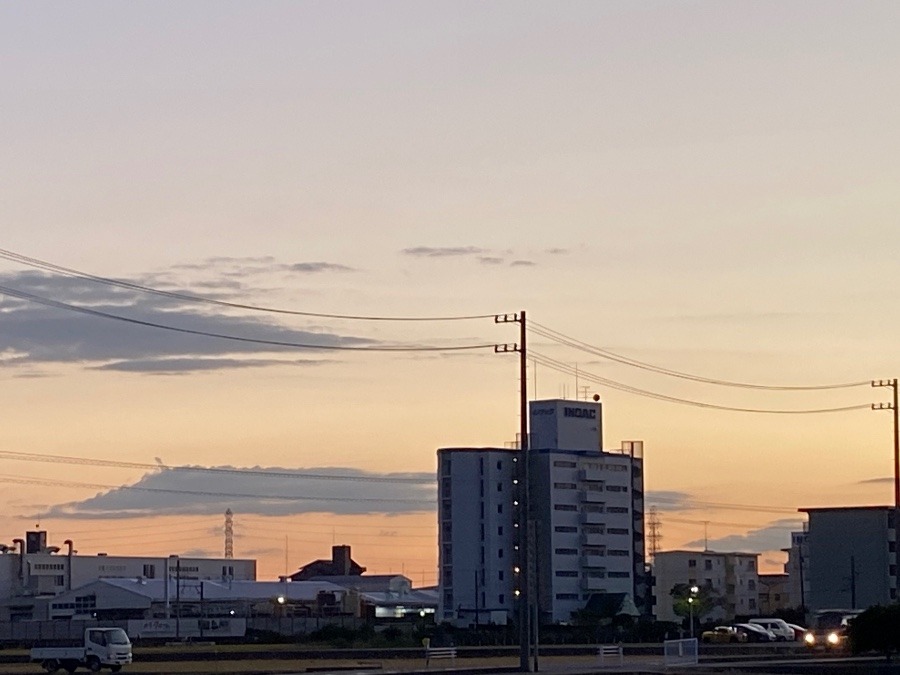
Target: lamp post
point(691, 598)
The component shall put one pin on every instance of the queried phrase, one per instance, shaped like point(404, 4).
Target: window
point(499, 552)
point(567, 596)
point(501, 598)
point(752, 603)
point(617, 530)
point(563, 464)
point(500, 531)
point(150, 571)
point(616, 488)
point(692, 563)
point(565, 573)
point(499, 508)
point(60, 580)
point(617, 509)
point(565, 486)
point(751, 564)
point(499, 487)
point(565, 528)
point(618, 575)
point(565, 507)
point(447, 576)
point(566, 551)
point(499, 465)
point(707, 564)
point(500, 575)
point(618, 552)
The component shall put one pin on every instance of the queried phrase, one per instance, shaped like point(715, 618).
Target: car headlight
point(809, 639)
point(833, 638)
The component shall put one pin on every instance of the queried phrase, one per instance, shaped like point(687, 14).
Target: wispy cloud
point(313, 267)
point(522, 263)
point(668, 500)
point(271, 491)
point(443, 251)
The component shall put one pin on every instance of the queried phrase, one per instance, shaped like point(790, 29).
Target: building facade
point(588, 514)
point(852, 555)
point(32, 570)
point(797, 570)
point(731, 578)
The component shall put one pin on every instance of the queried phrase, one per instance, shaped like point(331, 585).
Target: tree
point(876, 629)
point(705, 600)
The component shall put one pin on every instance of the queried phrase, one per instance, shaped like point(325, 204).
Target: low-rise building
point(731, 579)
point(774, 593)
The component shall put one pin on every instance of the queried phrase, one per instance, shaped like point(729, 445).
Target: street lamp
point(693, 596)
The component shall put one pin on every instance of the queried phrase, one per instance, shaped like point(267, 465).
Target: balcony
point(591, 475)
point(593, 584)
point(592, 518)
point(593, 561)
point(593, 539)
point(591, 497)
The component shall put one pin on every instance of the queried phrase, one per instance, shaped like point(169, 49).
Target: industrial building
point(588, 509)
point(32, 571)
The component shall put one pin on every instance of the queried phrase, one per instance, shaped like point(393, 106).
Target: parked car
point(755, 633)
point(778, 627)
point(799, 631)
point(721, 634)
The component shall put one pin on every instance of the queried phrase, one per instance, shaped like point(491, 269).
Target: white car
point(779, 627)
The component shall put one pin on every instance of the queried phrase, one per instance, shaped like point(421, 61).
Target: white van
point(779, 627)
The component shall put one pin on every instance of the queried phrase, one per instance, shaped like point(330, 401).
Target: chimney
point(340, 560)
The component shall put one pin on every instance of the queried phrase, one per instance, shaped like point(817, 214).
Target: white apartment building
point(31, 570)
point(733, 577)
point(588, 511)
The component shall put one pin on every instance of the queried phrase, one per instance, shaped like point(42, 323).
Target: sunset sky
point(710, 188)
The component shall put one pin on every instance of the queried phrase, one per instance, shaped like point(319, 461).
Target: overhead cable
point(568, 341)
point(562, 367)
point(90, 461)
point(12, 256)
point(30, 297)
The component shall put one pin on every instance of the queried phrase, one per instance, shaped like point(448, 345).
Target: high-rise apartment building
point(587, 506)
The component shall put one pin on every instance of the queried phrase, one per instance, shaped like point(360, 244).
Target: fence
point(680, 652)
point(611, 655)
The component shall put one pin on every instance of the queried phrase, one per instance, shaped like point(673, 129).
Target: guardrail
point(611, 655)
point(439, 653)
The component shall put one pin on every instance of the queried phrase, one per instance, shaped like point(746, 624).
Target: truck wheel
point(94, 665)
point(50, 665)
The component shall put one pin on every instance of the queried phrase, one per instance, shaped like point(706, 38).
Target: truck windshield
point(117, 636)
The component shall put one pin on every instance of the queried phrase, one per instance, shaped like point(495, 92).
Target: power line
point(28, 480)
point(12, 256)
point(562, 367)
point(89, 461)
point(23, 295)
point(551, 334)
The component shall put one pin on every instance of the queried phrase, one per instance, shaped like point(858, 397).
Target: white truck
point(102, 648)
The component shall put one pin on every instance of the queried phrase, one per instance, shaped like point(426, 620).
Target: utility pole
point(892, 406)
point(524, 530)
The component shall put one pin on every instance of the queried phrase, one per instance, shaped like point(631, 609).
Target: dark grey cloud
point(254, 265)
point(270, 491)
point(490, 260)
point(33, 334)
point(772, 537)
point(876, 481)
point(444, 251)
point(523, 263)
